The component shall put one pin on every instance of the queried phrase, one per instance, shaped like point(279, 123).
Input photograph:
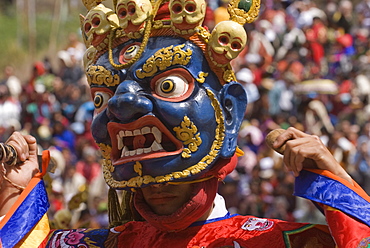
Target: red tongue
point(138, 141)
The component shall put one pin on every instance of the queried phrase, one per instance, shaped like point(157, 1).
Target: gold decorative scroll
point(164, 58)
point(99, 75)
point(188, 134)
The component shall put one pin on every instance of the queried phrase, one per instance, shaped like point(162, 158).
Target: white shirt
point(219, 210)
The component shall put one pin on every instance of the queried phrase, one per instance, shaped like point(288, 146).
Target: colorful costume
point(348, 227)
point(168, 111)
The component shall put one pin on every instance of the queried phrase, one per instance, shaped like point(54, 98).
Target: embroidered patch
point(257, 224)
point(78, 238)
point(365, 243)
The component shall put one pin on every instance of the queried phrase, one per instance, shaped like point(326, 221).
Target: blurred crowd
point(306, 65)
point(55, 106)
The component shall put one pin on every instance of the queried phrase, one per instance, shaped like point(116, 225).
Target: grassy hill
point(28, 36)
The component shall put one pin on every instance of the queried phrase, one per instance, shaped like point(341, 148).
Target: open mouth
point(145, 138)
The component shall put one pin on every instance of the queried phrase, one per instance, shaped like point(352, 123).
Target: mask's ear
point(234, 101)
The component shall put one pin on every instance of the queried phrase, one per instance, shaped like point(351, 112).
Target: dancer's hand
point(15, 177)
point(307, 151)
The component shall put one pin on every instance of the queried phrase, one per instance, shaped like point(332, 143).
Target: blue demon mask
point(167, 106)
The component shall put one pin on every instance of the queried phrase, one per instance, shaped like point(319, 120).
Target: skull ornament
point(186, 15)
point(98, 23)
point(227, 40)
point(132, 14)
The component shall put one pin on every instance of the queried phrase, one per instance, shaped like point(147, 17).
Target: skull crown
point(103, 28)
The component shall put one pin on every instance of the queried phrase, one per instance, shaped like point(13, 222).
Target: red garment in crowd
point(316, 36)
point(89, 170)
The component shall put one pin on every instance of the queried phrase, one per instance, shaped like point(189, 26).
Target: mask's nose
point(129, 103)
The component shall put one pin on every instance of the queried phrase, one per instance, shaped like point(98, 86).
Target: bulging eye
point(172, 86)
point(100, 100)
point(129, 53)
point(167, 86)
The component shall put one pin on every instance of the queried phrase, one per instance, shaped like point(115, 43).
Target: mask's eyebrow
point(98, 75)
point(162, 59)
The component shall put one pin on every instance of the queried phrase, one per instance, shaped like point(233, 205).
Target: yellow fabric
point(330, 208)
point(221, 14)
point(239, 152)
point(38, 234)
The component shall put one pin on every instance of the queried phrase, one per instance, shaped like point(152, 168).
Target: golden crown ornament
point(103, 28)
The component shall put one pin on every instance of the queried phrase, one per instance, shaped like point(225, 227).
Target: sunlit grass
point(15, 45)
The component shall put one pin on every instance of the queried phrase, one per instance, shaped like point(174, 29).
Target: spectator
point(63, 137)
point(12, 82)
point(363, 12)
point(293, 39)
point(221, 13)
point(70, 69)
point(88, 166)
point(10, 110)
